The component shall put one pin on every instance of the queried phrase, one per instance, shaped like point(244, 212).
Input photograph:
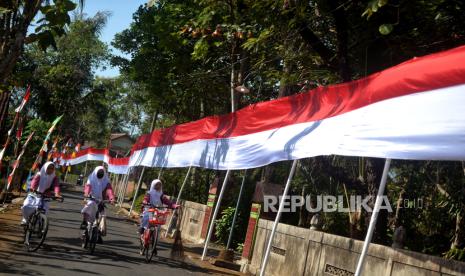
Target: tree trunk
point(4, 105)
point(342, 35)
point(13, 34)
point(398, 218)
point(266, 173)
point(459, 239)
point(285, 88)
point(303, 212)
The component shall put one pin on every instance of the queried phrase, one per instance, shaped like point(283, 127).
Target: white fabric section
point(84, 158)
point(30, 204)
point(90, 209)
point(118, 169)
point(155, 196)
point(423, 126)
point(97, 185)
point(45, 180)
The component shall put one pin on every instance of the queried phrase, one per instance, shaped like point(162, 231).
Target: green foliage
point(51, 25)
point(40, 128)
point(223, 225)
point(455, 254)
point(200, 49)
point(62, 81)
point(386, 29)
point(30, 21)
point(139, 199)
point(176, 79)
point(240, 247)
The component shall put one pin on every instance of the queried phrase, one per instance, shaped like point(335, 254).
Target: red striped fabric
point(428, 73)
point(413, 76)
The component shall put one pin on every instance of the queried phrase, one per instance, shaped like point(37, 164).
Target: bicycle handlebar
point(44, 196)
point(90, 197)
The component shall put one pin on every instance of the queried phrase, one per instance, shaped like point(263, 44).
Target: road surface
point(63, 255)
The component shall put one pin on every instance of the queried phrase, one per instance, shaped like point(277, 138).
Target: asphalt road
point(118, 255)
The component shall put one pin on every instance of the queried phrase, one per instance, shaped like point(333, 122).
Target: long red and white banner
point(115, 165)
point(415, 110)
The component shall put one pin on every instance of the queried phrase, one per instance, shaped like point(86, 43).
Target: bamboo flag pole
point(18, 111)
point(278, 217)
point(143, 170)
point(44, 145)
point(16, 164)
point(178, 199)
point(215, 213)
point(231, 232)
point(373, 219)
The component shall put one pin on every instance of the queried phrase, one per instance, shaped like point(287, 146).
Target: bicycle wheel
point(28, 229)
point(147, 241)
point(141, 247)
point(84, 238)
point(93, 238)
point(36, 231)
point(142, 244)
point(154, 244)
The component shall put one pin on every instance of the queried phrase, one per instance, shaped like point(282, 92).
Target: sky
point(121, 16)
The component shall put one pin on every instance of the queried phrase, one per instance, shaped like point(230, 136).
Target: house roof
point(118, 135)
point(120, 143)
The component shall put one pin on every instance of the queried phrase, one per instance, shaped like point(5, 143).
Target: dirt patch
point(11, 233)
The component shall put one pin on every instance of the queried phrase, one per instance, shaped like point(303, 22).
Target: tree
point(62, 80)
point(15, 21)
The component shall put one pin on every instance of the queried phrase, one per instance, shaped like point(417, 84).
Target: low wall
point(192, 219)
point(300, 251)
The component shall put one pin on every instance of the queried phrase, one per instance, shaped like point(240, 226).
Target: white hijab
point(46, 180)
point(155, 196)
point(97, 185)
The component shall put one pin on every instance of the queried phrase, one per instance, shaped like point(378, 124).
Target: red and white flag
point(414, 110)
point(25, 99)
point(19, 131)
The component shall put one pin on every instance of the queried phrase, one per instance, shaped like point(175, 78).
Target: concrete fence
point(192, 221)
point(300, 251)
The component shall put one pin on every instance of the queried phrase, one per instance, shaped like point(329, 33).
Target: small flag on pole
point(44, 146)
point(16, 163)
point(19, 132)
point(25, 99)
point(54, 124)
point(53, 150)
point(77, 148)
point(18, 110)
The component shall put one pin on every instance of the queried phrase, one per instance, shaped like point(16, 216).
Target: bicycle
point(36, 227)
point(92, 233)
point(149, 239)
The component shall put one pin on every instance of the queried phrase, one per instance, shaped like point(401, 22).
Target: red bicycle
point(149, 239)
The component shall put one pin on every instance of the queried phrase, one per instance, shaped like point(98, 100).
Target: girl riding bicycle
point(43, 182)
point(98, 187)
point(154, 198)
